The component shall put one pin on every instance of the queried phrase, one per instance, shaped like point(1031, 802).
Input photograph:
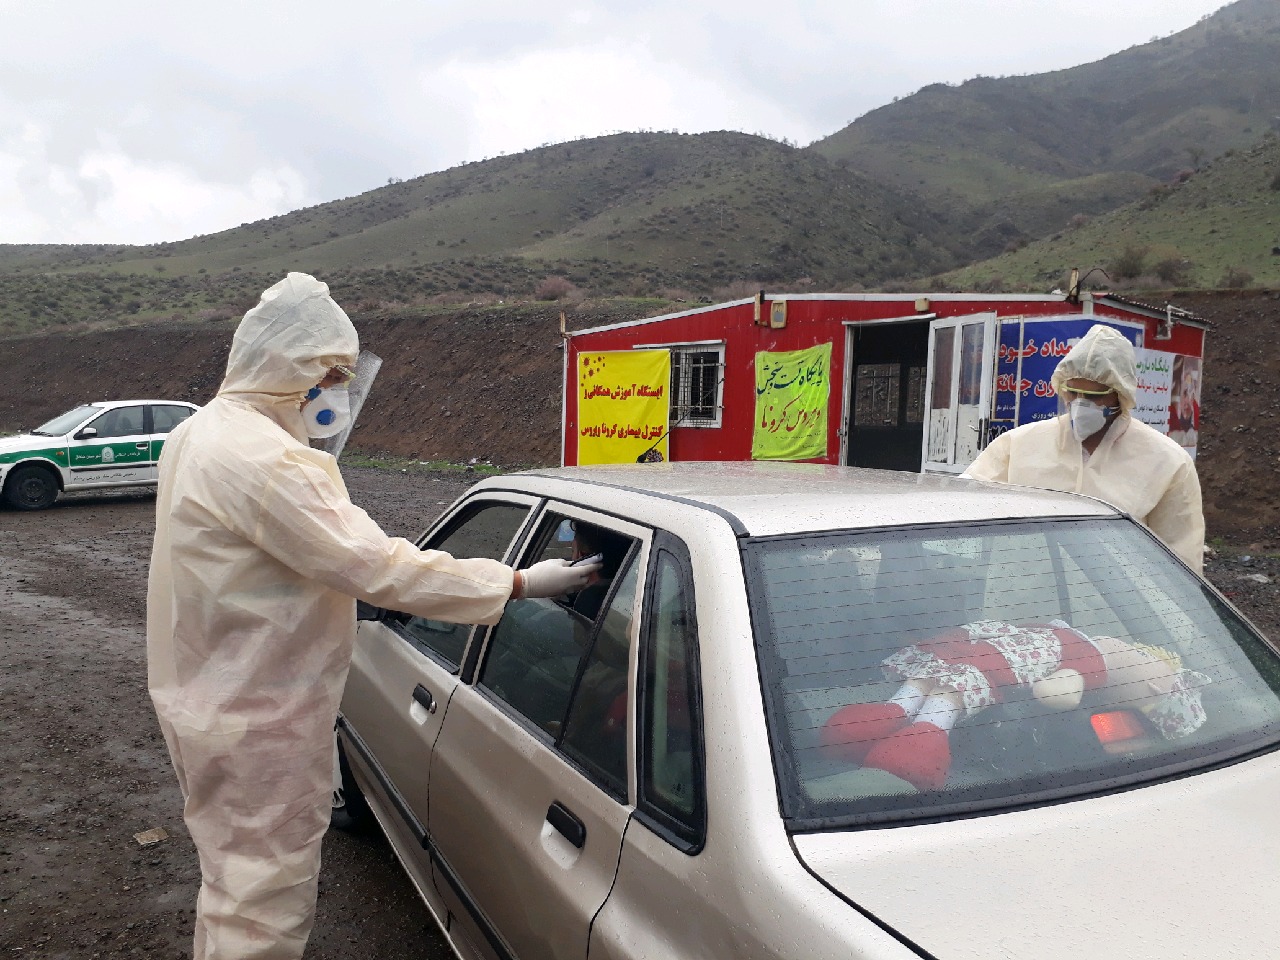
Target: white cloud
point(548, 96)
point(108, 195)
point(140, 121)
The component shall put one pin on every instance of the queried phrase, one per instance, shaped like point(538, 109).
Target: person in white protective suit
point(258, 555)
point(1096, 447)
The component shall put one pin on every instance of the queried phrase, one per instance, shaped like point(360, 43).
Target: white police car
point(97, 445)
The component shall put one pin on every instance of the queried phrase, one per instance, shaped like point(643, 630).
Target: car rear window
point(914, 672)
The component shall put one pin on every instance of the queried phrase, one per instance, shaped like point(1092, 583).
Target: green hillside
point(706, 209)
point(1218, 228)
point(628, 214)
point(1107, 164)
point(1016, 157)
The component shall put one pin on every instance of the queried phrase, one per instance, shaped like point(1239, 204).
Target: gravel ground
point(89, 770)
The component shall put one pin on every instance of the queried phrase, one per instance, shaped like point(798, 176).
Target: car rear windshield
point(921, 672)
point(66, 422)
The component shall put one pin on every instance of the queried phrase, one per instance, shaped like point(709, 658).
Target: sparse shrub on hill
point(1175, 271)
point(1129, 263)
point(555, 288)
point(1233, 278)
point(1275, 181)
point(738, 290)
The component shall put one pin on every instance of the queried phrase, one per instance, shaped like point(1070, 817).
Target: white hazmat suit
point(1134, 467)
point(250, 618)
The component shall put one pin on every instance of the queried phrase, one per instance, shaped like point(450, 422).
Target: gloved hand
point(550, 578)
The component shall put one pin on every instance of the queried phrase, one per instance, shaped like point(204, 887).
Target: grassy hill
point(950, 176)
point(615, 214)
point(1219, 227)
point(1017, 157)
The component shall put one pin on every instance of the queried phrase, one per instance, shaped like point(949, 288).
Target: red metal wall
point(809, 322)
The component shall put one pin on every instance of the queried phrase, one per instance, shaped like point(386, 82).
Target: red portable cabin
point(916, 381)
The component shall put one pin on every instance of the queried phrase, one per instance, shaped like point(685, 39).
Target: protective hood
point(1103, 354)
point(285, 345)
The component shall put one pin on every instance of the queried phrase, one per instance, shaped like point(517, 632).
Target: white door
point(530, 794)
point(116, 452)
point(958, 392)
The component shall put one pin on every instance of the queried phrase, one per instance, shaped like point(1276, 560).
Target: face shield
point(331, 413)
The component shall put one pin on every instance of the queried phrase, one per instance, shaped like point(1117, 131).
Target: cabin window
point(697, 385)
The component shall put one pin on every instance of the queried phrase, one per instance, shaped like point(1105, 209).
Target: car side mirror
point(367, 611)
point(88, 433)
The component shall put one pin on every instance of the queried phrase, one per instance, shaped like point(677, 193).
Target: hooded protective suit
point(1134, 467)
point(250, 619)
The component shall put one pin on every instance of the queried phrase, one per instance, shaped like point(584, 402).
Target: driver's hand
point(551, 578)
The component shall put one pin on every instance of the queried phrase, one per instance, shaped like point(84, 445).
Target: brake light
point(1117, 727)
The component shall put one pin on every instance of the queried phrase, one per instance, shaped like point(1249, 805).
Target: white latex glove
point(551, 578)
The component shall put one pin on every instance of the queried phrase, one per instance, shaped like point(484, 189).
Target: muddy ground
point(86, 767)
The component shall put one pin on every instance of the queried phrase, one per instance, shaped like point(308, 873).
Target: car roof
point(108, 404)
point(765, 499)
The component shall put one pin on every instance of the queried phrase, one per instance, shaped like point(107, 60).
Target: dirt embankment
point(486, 384)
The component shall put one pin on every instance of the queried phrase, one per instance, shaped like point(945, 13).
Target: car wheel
point(350, 811)
point(31, 488)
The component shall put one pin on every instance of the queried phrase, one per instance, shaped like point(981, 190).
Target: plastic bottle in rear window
point(910, 672)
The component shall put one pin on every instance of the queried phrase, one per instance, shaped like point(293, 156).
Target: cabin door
point(958, 392)
point(886, 370)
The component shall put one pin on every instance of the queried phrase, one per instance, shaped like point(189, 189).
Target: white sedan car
point(816, 712)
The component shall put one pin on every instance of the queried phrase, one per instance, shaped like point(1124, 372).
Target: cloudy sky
point(138, 121)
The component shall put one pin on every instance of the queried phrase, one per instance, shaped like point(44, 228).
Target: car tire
point(31, 488)
point(350, 812)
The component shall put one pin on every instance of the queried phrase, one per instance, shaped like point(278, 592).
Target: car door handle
point(560, 817)
point(143, 445)
point(423, 696)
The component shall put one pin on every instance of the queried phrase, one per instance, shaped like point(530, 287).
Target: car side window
point(537, 651)
point(596, 731)
point(120, 422)
point(671, 788)
point(484, 531)
point(165, 418)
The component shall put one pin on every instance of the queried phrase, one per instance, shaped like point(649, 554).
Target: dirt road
point(86, 768)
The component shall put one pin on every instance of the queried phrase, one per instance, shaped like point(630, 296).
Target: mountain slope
point(681, 209)
point(991, 147)
point(1221, 227)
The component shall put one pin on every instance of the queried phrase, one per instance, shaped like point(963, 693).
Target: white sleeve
point(1178, 517)
point(992, 462)
point(306, 521)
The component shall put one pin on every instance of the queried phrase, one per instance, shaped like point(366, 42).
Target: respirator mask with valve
point(330, 411)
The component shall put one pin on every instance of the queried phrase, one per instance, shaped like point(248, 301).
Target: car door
point(669, 896)
point(164, 417)
point(530, 778)
point(114, 448)
point(404, 668)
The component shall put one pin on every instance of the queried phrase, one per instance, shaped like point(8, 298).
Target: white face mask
point(327, 412)
point(1087, 418)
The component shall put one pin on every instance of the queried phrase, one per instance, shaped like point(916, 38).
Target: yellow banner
point(792, 392)
point(623, 406)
